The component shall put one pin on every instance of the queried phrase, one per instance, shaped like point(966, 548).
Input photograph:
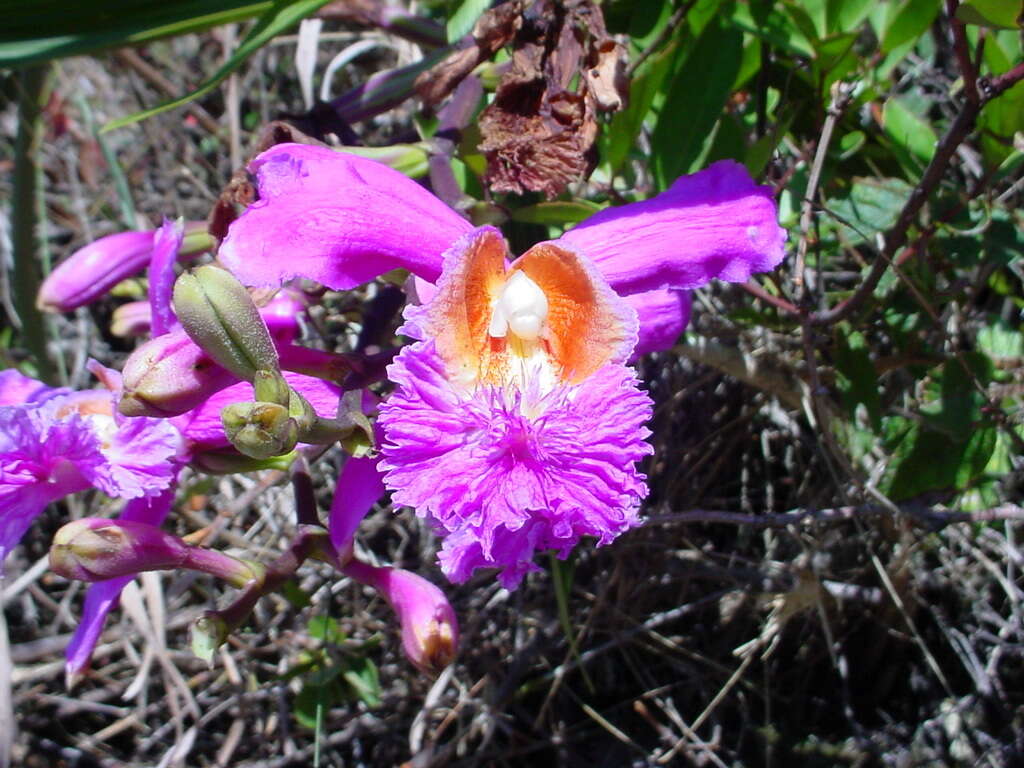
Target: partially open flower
point(93, 270)
point(430, 631)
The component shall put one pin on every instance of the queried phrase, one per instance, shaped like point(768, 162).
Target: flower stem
point(33, 92)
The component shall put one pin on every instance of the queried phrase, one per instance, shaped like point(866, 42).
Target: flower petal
point(338, 219)
point(503, 473)
point(713, 224)
point(589, 325)
point(16, 389)
point(360, 484)
point(663, 316)
point(166, 243)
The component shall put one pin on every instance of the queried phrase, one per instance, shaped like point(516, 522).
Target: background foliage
point(830, 573)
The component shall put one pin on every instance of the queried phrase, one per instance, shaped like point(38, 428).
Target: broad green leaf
point(773, 26)
point(909, 131)
point(871, 207)
point(325, 629)
point(924, 460)
point(857, 380)
point(462, 21)
point(996, 14)
point(410, 159)
point(694, 102)
point(999, 121)
point(282, 15)
point(954, 404)
point(998, 339)
point(802, 20)
point(48, 29)
point(647, 82)
point(906, 21)
point(846, 15)
point(830, 51)
point(851, 143)
point(559, 213)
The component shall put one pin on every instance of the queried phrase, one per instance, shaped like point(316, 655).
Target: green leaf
point(558, 213)
point(326, 629)
point(364, 680)
point(772, 26)
point(999, 340)
point(857, 380)
point(846, 15)
point(410, 159)
point(313, 699)
point(647, 82)
point(462, 21)
point(72, 27)
point(689, 113)
point(995, 14)
point(279, 17)
point(999, 121)
point(872, 206)
point(907, 21)
point(908, 130)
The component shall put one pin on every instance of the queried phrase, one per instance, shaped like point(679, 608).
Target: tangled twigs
point(931, 517)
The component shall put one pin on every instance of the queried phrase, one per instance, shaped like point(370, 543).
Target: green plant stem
point(33, 92)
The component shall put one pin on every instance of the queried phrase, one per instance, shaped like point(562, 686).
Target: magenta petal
point(503, 473)
point(102, 596)
point(18, 389)
point(93, 270)
point(360, 484)
point(166, 244)
point(713, 224)
point(663, 316)
point(338, 219)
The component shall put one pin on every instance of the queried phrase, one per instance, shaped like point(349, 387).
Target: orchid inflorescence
point(512, 422)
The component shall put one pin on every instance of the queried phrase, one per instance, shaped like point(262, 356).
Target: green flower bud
point(260, 430)
point(218, 314)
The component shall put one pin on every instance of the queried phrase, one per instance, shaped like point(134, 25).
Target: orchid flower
point(516, 424)
point(59, 442)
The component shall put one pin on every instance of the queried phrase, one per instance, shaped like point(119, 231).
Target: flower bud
point(218, 314)
point(260, 430)
point(94, 549)
point(131, 320)
point(93, 270)
point(430, 631)
point(169, 375)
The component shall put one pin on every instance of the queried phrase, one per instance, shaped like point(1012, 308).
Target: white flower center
point(522, 309)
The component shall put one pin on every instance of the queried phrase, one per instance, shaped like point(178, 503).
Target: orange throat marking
point(557, 321)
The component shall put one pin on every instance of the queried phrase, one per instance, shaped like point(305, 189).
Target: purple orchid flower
point(516, 424)
point(58, 442)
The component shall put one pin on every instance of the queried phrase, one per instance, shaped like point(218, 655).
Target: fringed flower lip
point(516, 424)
